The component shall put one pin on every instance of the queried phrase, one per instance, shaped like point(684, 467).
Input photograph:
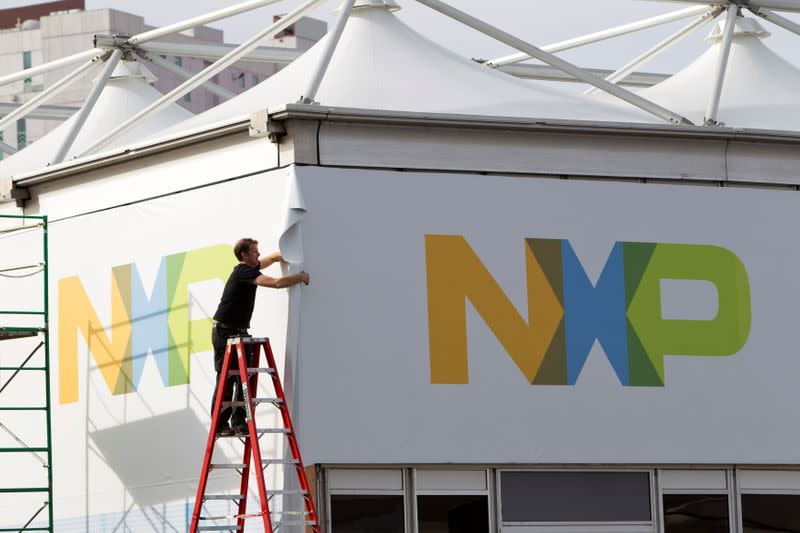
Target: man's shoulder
point(246, 271)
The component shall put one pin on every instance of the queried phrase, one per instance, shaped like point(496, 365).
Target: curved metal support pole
point(605, 34)
point(330, 47)
point(667, 43)
point(556, 62)
point(213, 88)
point(206, 74)
point(88, 105)
point(199, 21)
point(722, 66)
point(776, 19)
point(50, 92)
point(52, 65)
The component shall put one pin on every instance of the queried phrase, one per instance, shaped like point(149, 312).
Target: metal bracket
point(262, 126)
point(110, 42)
point(10, 192)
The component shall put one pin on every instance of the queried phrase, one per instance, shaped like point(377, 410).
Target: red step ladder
point(288, 520)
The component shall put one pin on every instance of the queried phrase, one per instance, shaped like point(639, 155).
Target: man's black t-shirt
point(238, 298)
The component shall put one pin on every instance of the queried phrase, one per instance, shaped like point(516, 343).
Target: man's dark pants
point(233, 385)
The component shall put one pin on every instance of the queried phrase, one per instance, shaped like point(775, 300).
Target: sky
point(536, 21)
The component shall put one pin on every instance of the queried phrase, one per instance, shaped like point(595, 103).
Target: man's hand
point(304, 277)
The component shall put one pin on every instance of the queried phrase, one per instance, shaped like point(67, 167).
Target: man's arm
point(267, 260)
point(283, 282)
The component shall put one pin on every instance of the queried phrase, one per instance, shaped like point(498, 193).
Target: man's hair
point(242, 246)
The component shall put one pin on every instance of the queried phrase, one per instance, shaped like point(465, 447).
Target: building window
point(27, 63)
point(2, 153)
point(22, 134)
point(689, 513)
point(255, 79)
point(452, 513)
point(770, 512)
point(452, 501)
point(359, 513)
point(240, 80)
point(367, 500)
point(575, 497)
point(179, 61)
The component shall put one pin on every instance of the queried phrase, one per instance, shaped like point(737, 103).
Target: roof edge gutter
point(273, 118)
point(122, 155)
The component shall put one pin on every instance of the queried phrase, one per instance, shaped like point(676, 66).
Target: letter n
point(456, 274)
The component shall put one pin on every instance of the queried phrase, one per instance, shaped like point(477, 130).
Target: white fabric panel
point(693, 479)
point(756, 480)
point(364, 339)
point(365, 480)
point(451, 480)
point(120, 453)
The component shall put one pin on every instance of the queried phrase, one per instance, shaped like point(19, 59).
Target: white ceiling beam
point(47, 67)
point(556, 62)
point(43, 112)
point(205, 74)
point(199, 21)
point(604, 34)
point(664, 45)
point(7, 149)
point(776, 19)
point(266, 54)
point(308, 95)
point(87, 107)
point(49, 92)
point(548, 73)
point(210, 86)
point(722, 66)
point(777, 5)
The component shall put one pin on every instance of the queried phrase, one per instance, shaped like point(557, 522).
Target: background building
point(37, 34)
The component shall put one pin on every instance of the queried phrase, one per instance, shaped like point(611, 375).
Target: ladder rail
point(203, 481)
point(292, 435)
point(241, 361)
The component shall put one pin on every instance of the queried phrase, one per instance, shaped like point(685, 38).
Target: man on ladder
point(232, 319)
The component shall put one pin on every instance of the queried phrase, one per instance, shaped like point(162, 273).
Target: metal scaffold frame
point(16, 332)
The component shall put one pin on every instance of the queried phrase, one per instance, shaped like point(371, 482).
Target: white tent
point(128, 90)
point(760, 89)
point(381, 63)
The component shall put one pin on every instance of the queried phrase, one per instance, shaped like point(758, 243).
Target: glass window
point(453, 514)
point(22, 134)
point(696, 513)
point(770, 512)
point(179, 61)
point(26, 64)
point(367, 514)
point(575, 496)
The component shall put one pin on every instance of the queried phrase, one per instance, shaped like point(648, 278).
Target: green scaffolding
point(40, 329)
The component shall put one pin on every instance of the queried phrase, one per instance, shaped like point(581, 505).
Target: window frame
point(588, 527)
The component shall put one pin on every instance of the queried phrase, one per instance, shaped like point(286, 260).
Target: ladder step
point(247, 340)
point(256, 401)
point(251, 371)
point(219, 528)
point(295, 523)
point(286, 491)
point(279, 461)
point(227, 466)
point(284, 431)
point(223, 497)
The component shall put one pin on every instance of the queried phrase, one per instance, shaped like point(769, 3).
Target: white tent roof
point(381, 63)
point(128, 91)
point(761, 89)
